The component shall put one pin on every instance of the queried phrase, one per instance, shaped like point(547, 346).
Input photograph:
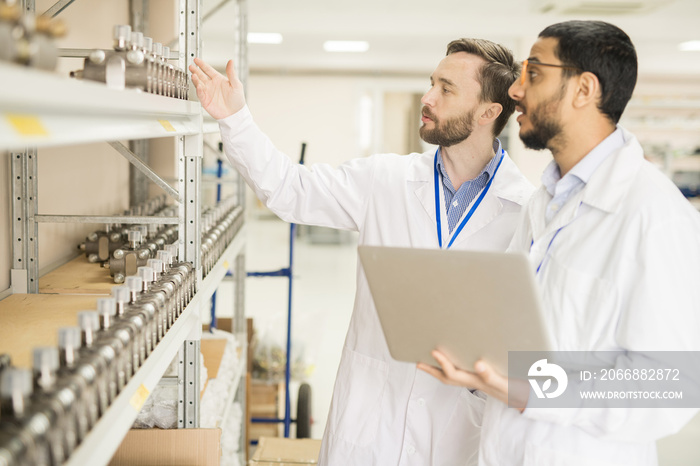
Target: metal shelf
point(44, 109)
point(104, 439)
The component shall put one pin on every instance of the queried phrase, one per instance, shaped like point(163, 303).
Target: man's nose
point(427, 98)
point(516, 90)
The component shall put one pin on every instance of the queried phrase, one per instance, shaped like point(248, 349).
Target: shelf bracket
point(25, 264)
point(188, 385)
point(145, 169)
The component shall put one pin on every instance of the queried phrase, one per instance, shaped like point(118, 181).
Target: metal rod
point(84, 53)
point(143, 168)
point(211, 12)
point(105, 219)
point(57, 8)
point(76, 53)
point(204, 18)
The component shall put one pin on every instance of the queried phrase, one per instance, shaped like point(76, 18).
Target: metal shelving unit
point(41, 109)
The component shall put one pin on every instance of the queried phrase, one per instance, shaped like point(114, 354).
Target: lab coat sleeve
point(660, 312)
point(321, 195)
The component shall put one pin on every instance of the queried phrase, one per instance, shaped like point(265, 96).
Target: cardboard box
point(265, 401)
point(174, 447)
point(286, 452)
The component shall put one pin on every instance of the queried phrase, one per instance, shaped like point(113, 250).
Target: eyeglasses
point(523, 73)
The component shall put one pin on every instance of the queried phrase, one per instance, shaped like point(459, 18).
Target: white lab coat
point(383, 412)
point(622, 274)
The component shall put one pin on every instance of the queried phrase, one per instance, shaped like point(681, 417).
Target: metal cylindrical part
point(164, 256)
point(146, 274)
point(158, 267)
point(45, 365)
point(107, 310)
point(68, 345)
point(122, 296)
point(122, 35)
point(135, 285)
point(134, 237)
point(137, 40)
point(158, 49)
point(89, 322)
point(15, 390)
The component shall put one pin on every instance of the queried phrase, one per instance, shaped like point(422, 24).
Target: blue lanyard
point(471, 211)
point(547, 251)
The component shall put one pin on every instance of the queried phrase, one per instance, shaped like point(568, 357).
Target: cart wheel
point(304, 411)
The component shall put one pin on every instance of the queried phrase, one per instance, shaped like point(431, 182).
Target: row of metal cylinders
point(219, 226)
point(100, 244)
point(136, 62)
point(47, 412)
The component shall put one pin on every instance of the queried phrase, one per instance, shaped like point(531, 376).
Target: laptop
point(467, 304)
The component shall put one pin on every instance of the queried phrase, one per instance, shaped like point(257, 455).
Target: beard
point(544, 130)
point(449, 132)
point(545, 127)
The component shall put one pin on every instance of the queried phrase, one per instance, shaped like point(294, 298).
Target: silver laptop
point(467, 304)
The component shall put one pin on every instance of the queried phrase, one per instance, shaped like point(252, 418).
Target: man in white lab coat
point(615, 247)
point(385, 412)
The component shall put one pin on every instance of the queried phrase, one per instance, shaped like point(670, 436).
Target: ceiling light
point(346, 46)
point(690, 46)
point(264, 38)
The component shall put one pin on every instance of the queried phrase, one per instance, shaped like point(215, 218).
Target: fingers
point(490, 377)
point(434, 371)
point(206, 69)
point(231, 71)
point(454, 376)
point(198, 75)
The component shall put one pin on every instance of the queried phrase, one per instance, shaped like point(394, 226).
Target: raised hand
point(219, 95)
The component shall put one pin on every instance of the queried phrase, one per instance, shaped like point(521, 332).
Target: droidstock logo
point(541, 369)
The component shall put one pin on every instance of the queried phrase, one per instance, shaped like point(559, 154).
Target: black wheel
point(304, 411)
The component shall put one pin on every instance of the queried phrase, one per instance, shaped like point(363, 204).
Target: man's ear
point(490, 113)
point(587, 91)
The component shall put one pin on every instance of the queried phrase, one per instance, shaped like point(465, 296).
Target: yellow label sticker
point(167, 125)
point(226, 265)
point(27, 125)
point(139, 397)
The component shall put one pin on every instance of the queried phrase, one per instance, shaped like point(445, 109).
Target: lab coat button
point(411, 449)
point(421, 402)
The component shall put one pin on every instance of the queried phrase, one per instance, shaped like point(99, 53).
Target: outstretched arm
point(219, 95)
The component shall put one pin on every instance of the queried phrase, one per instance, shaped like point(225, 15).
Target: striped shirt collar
point(488, 169)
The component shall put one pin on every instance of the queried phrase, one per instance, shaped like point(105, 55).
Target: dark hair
point(604, 50)
point(494, 77)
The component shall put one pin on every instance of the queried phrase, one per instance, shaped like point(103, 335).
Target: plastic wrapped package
point(145, 420)
point(231, 436)
point(218, 390)
point(160, 409)
point(164, 410)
